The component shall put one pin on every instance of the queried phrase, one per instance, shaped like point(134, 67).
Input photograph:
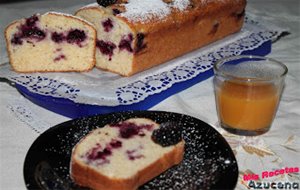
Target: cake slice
point(125, 155)
point(135, 35)
point(51, 42)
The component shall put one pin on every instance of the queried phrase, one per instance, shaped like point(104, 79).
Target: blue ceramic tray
point(71, 109)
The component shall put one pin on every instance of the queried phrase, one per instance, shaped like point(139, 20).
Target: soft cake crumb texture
point(120, 165)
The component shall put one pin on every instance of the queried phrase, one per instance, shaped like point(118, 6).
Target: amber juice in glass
point(247, 92)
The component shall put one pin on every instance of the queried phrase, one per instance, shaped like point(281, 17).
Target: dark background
point(14, 1)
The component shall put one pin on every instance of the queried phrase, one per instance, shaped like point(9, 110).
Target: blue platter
point(72, 109)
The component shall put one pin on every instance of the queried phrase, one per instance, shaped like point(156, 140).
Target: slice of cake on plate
point(127, 154)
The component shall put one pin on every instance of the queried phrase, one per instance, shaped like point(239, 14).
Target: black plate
point(209, 162)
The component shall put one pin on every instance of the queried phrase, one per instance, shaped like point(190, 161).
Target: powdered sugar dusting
point(180, 4)
point(137, 10)
point(143, 11)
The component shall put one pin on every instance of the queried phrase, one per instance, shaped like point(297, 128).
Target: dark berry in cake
point(107, 25)
point(59, 58)
point(16, 40)
point(57, 37)
point(33, 33)
point(128, 129)
point(96, 153)
point(125, 43)
point(28, 30)
point(140, 42)
point(116, 11)
point(115, 144)
point(169, 133)
point(31, 21)
point(106, 48)
point(106, 3)
point(76, 36)
point(134, 154)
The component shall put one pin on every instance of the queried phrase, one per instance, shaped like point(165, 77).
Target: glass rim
point(220, 62)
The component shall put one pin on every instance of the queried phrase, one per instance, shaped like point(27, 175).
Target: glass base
point(244, 132)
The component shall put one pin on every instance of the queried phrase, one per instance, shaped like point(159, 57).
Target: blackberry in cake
point(123, 155)
point(167, 134)
point(51, 42)
point(141, 34)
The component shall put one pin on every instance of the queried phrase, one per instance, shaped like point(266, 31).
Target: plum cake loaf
point(51, 42)
point(127, 154)
point(134, 35)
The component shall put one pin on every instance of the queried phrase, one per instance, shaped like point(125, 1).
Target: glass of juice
point(247, 91)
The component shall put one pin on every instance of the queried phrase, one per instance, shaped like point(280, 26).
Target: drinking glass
point(247, 92)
